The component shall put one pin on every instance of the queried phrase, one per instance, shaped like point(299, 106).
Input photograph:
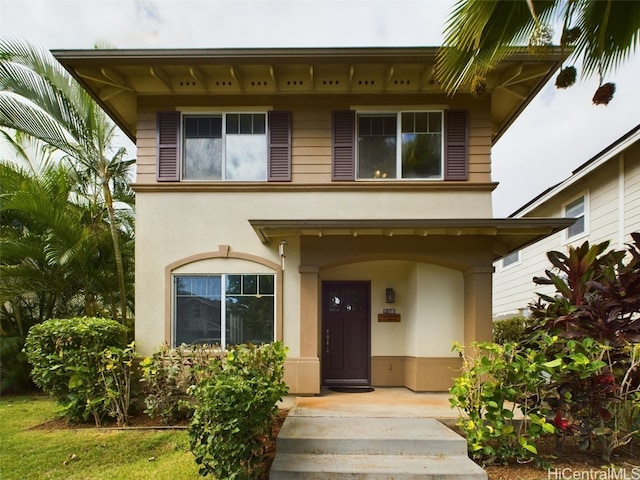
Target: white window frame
point(398, 113)
point(517, 261)
point(585, 196)
point(223, 303)
point(199, 112)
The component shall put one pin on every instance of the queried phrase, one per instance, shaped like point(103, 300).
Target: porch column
point(307, 368)
point(477, 304)
point(309, 326)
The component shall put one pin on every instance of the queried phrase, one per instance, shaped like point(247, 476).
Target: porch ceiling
point(509, 234)
point(117, 79)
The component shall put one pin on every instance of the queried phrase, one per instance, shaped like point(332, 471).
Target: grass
point(85, 453)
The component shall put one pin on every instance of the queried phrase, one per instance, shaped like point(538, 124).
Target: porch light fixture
point(391, 295)
point(283, 244)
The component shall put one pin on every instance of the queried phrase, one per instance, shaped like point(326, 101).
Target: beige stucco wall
point(172, 226)
point(439, 318)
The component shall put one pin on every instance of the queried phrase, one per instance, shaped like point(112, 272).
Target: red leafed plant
point(598, 293)
point(596, 314)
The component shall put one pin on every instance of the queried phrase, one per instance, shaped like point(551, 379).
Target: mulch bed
point(571, 462)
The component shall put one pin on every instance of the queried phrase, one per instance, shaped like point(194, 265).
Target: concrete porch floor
point(383, 402)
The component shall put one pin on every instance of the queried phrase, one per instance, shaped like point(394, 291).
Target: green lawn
point(85, 453)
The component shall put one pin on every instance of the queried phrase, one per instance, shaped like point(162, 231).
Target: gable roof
point(117, 79)
point(606, 155)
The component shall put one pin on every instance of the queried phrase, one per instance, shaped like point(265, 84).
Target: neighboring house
point(603, 195)
point(334, 199)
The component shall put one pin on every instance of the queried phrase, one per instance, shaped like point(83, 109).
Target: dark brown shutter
point(168, 147)
point(456, 150)
point(343, 142)
point(279, 147)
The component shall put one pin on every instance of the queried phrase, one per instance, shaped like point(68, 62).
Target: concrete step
point(306, 466)
point(369, 436)
point(370, 448)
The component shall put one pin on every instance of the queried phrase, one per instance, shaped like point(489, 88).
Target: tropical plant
point(598, 293)
point(479, 34)
point(594, 313)
point(57, 254)
point(41, 99)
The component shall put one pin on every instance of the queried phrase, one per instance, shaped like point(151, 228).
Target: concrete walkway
point(390, 433)
point(382, 402)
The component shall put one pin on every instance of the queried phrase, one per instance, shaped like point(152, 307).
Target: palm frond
point(479, 34)
point(20, 114)
point(610, 33)
point(22, 81)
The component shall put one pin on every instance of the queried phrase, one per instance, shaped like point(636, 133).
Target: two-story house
point(602, 194)
point(334, 199)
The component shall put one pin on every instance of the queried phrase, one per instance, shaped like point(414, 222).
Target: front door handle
point(327, 341)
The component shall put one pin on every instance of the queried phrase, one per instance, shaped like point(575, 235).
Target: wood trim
point(378, 186)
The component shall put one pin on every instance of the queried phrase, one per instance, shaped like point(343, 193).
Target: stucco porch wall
point(429, 299)
point(420, 374)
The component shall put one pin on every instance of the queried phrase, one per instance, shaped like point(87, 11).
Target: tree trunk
point(116, 249)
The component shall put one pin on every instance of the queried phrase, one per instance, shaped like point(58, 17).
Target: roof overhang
point(509, 234)
point(118, 79)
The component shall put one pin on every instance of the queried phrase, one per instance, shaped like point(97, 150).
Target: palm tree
point(39, 98)
point(481, 33)
point(57, 255)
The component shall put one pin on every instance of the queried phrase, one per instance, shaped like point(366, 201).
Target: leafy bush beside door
point(235, 407)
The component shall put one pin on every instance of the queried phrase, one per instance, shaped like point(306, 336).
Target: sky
point(559, 130)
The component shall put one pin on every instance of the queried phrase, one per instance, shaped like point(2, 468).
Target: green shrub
point(600, 401)
point(509, 330)
point(235, 409)
point(495, 381)
point(168, 376)
point(117, 375)
point(67, 359)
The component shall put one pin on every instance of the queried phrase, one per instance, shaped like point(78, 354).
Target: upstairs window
point(400, 145)
point(576, 208)
point(348, 139)
point(230, 146)
point(224, 146)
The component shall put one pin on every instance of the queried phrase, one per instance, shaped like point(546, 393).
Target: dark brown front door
point(346, 333)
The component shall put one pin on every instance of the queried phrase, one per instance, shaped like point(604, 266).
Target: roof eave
point(509, 233)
